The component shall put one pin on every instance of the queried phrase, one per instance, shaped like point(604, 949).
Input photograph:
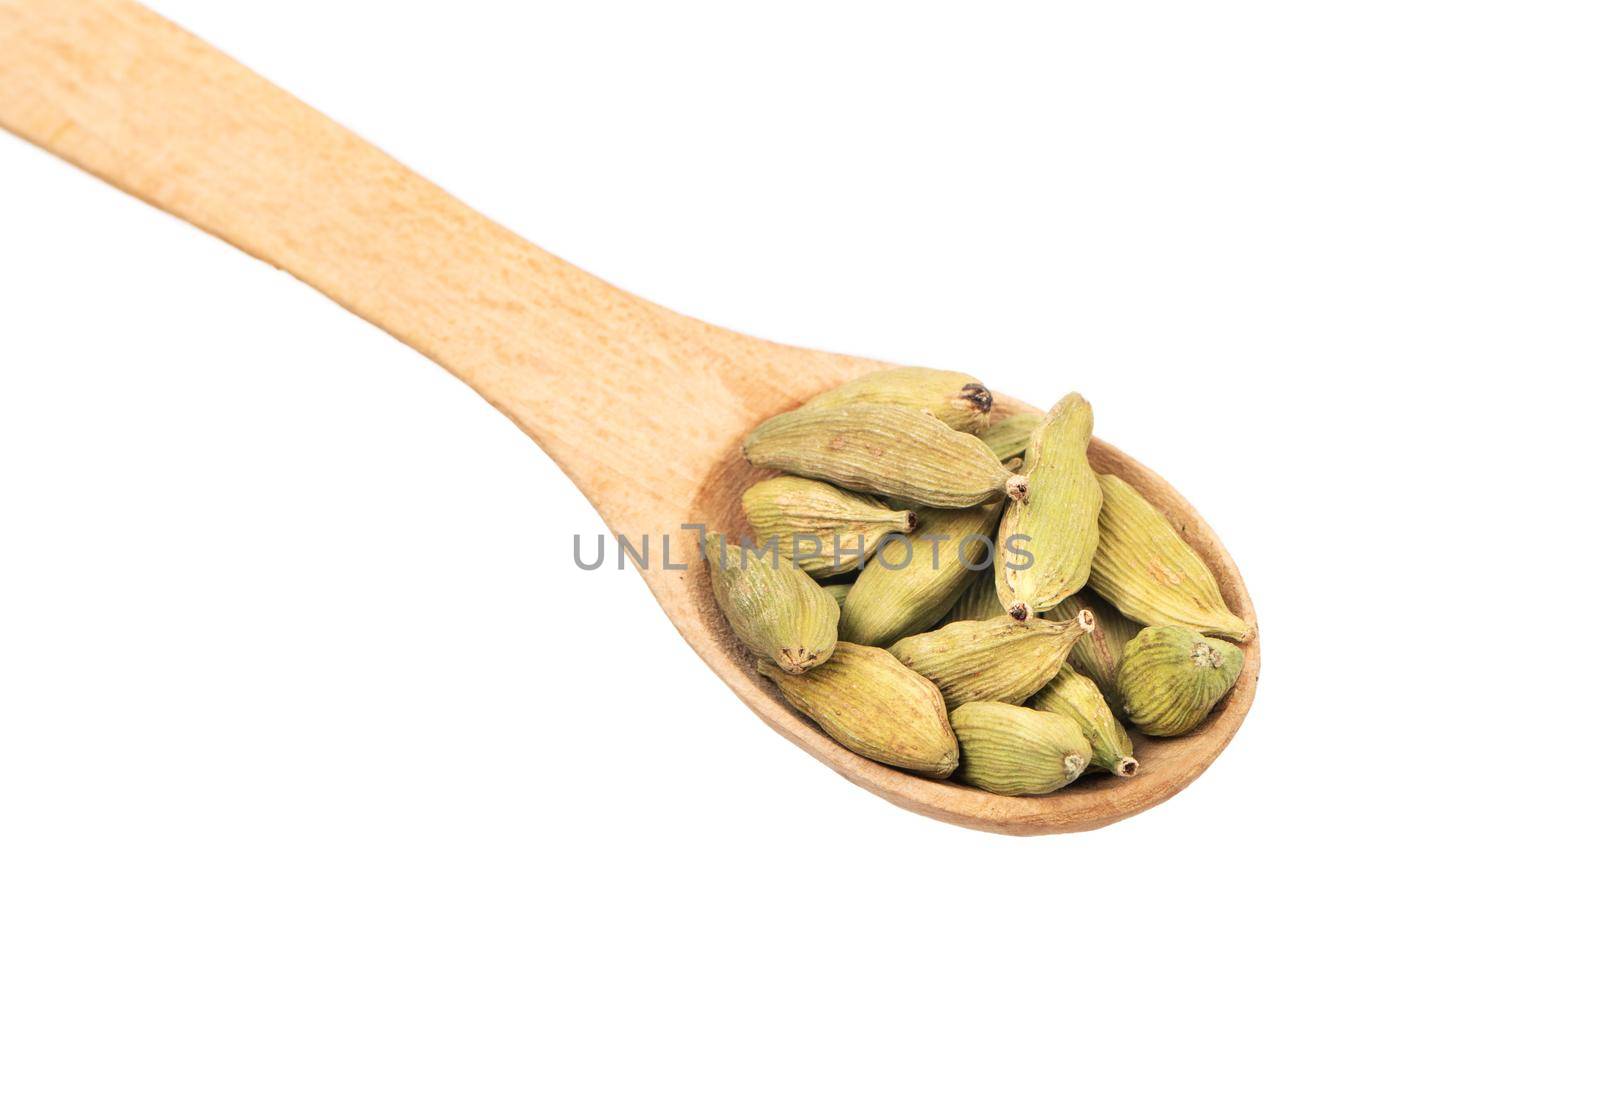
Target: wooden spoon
point(644, 409)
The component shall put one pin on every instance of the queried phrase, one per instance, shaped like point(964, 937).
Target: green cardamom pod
point(1073, 694)
point(1098, 653)
point(1018, 751)
point(838, 591)
point(956, 399)
point(826, 530)
point(1049, 538)
point(1009, 437)
point(909, 584)
point(977, 601)
point(1171, 677)
point(775, 608)
point(884, 449)
point(1000, 659)
point(872, 705)
point(1145, 568)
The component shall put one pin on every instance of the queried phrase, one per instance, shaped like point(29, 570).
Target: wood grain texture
point(124, 94)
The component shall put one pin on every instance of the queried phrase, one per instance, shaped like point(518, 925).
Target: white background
point(323, 769)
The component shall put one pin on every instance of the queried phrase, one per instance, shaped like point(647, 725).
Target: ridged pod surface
point(1171, 677)
point(872, 705)
point(838, 591)
point(883, 449)
point(956, 399)
point(1071, 693)
point(777, 610)
point(999, 659)
point(1098, 654)
point(909, 584)
point(1009, 437)
point(977, 601)
point(1010, 750)
point(826, 530)
point(1059, 516)
point(1143, 566)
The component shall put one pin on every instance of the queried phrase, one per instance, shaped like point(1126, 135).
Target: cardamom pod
point(1073, 694)
point(977, 601)
point(1171, 677)
point(838, 591)
point(909, 584)
point(956, 399)
point(1098, 653)
point(1009, 437)
point(884, 449)
point(774, 607)
point(1049, 542)
point(826, 530)
point(872, 705)
point(999, 659)
point(1145, 568)
point(1018, 751)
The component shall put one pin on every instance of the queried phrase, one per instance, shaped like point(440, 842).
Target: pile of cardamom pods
point(967, 600)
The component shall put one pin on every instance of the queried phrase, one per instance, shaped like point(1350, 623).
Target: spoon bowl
point(643, 408)
point(1166, 765)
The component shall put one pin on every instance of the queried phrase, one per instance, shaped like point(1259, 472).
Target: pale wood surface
point(643, 408)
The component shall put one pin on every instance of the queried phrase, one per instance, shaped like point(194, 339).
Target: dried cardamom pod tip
point(1020, 611)
point(1017, 489)
point(797, 660)
point(1125, 767)
point(1085, 620)
point(978, 396)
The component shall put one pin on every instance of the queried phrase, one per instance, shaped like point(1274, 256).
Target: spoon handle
point(126, 95)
